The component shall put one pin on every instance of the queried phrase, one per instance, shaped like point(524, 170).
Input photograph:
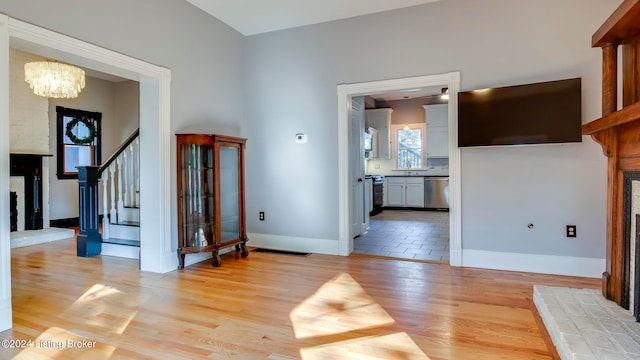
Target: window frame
point(395, 128)
point(61, 113)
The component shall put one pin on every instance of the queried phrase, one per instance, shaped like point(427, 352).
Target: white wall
point(291, 79)
point(28, 113)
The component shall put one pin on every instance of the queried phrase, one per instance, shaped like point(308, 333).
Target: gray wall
point(291, 78)
point(203, 54)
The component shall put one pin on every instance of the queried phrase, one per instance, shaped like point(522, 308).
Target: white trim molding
point(5, 237)
point(345, 93)
point(293, 243)
point(534, 263)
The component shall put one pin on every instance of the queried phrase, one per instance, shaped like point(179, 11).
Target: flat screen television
point(540, 113)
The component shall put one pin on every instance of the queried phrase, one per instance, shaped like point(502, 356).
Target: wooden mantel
point(618, 131)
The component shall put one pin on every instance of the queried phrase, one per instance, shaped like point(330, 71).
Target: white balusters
point(125, 178)
point(105, 205)
point(136, 177)
point(132, 182)
point(113, 214)
point(120, 187)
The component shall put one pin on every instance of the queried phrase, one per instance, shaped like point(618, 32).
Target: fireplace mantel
point(618, 132)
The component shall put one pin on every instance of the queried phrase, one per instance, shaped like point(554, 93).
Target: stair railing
point(120, 178)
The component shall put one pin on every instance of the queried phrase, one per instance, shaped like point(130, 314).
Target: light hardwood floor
point(271, 306)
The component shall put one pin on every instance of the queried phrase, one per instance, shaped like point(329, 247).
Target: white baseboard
point(6, 316)
point(455, 257)
point(544, 264)
point(293, 243)
point(124, 251)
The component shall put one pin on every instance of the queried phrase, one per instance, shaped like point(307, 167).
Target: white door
point(356, 165)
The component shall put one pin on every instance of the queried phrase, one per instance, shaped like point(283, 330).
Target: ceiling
point(251, 17)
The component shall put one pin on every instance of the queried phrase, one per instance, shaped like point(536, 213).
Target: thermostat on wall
point(301, 138)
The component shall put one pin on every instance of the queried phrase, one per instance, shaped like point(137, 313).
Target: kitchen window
point(410, 145)
point(78, 138)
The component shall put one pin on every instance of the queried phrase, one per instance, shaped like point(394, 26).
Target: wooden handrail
point(119, 151)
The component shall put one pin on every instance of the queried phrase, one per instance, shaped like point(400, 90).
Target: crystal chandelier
point(54, 79)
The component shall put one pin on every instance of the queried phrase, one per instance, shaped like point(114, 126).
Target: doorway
point(155, 140)
point(345, 94)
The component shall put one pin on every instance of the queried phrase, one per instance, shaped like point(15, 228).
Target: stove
point(377, 188)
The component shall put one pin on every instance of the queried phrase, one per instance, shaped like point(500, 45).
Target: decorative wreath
point(88, 122)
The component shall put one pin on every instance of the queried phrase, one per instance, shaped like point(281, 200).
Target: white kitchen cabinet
point(437, 119)
point(395, 191)
point(414, 192)
point(380, 119)
point(404, 191)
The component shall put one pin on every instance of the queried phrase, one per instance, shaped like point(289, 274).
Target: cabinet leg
point(217, 261)
point(180, 260)
point(244, 251)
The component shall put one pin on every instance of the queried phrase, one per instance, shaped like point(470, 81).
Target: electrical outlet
point(571, 231)
point(261, 216)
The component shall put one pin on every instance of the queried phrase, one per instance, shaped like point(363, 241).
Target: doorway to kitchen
point(406, 234)
point(442, 231)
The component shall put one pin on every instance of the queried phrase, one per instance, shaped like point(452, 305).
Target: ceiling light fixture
point(54, 79)
point(444, 94)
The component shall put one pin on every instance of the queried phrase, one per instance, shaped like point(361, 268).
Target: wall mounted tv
point(540, 113)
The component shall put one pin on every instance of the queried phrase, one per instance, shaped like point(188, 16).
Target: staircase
point(120, 178)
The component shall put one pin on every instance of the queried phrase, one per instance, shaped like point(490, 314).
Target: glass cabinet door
point(197, 195)
point(229, 192)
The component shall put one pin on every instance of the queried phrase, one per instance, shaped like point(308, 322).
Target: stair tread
point(122, 242)
point(128, 223)
point(132, 207)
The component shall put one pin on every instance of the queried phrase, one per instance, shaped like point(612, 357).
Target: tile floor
point(407, 234)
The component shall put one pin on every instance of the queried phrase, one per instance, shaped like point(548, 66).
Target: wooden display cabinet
point(211, 213)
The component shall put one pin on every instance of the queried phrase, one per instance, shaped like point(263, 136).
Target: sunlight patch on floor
point(99, 310)
point(394, 346)
point(340, 305)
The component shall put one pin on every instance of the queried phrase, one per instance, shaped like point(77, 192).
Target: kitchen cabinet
point(210, 177)
point(380, 119)
point(404, 191)
point(437, 119)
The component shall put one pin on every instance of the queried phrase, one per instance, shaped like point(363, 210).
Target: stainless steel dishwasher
point(436, 192)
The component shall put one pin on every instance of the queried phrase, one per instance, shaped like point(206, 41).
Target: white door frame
point(345, 93)
point(156, 253)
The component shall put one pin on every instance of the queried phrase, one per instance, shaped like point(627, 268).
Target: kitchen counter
point(425, 175)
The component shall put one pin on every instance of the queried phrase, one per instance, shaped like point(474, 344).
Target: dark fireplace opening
point(13, 212)
point(630, 275)
point(30, 167)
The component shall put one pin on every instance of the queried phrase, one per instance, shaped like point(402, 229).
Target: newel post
point(89, 240)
